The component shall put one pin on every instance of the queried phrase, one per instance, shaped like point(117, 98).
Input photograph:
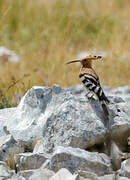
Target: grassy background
point(46, 34)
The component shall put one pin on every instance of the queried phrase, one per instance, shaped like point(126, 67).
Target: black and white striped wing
point(93, 87)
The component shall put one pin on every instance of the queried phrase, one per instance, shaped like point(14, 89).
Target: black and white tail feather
point(94, 90)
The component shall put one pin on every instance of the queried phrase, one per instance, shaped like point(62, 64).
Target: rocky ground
point(57, 134)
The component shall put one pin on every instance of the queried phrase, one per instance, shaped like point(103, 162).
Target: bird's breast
point(88, 71)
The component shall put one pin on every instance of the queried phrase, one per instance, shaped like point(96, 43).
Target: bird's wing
point(93, 86)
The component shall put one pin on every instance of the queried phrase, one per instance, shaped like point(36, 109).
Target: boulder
point(64, 118)
point(108, 177)
point(41, 174)
point(123, 178)
point(87, 175)
point(26, 161)
point(64, 174)
point(125, 168)
point(38, 148)
point(8, 147)
point(17, 177)
point(60, 125)
point(75, 159)
point(46, 164)
point(27, 173)
point(123, 92)
point(5, 172)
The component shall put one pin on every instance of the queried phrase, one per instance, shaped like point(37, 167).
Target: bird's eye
point(95, 56)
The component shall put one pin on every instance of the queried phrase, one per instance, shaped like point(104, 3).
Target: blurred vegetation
point(46, 34)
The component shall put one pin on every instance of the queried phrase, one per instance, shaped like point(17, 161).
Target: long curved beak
point(73, 61)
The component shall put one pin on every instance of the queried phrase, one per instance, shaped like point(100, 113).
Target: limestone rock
point(38, 148)
point(42, 173)
point(123, 178)
point(107, 177)
point(75, 159)
point(64, 118)
point(46, 164)
point(5, 172)
point(120, 123)
point(27, 173)
point(116, 156)
point(123, 92)
point(17, 177)
point(50, 117)
point(81, 178)
point(8, 147)
point(26, 161)
point(64, 174)
point(125, 168)
point(87, 174)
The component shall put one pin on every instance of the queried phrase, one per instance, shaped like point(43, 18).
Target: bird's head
point(86, 61)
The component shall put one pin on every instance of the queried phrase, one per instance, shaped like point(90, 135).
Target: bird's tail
point(105, 108)
point(106, 115)
point(105, 102)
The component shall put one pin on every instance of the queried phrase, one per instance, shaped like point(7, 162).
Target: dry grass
point(11, 161)
point(46, 34)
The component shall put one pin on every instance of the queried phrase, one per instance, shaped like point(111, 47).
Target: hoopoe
point(90, 80)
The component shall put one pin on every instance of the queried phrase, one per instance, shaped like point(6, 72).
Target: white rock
point(42, 174)
point(121, 90)
point(88, 175)
point(29, 160)
point(38, 148)
point(8, 147)
point(63, 118)
point(125, 168)
point(17, 177)
point(46, 164)
point(123, 178)
point(107, 177)
point(64, 174)
point(74, 159)
point(5, 172)
point(27, 173)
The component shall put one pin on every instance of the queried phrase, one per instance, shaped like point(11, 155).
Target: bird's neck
point(87, 64)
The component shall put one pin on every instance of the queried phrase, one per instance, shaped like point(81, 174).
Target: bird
point(91, 81)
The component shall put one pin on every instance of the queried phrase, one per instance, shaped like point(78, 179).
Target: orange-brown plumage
point(88, 70)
